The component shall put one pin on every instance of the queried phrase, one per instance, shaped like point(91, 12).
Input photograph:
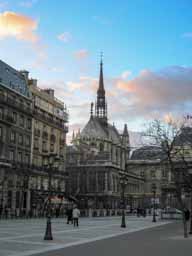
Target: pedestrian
point(186, 214)
point(69, 214)
point(57, 212)
point(76, 214)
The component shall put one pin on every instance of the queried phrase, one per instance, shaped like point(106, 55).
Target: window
point(44, 146)
point(27, 142)
point(27, 159)
point(19, 157)
point(1, 112)
point(153, 175)
point(29, 124)
point(14, 117)
point(12, 136)
point(52, 148)
point(21, 121)
point(164, 173)
point(12, 155)
point(101, 147)
point(20, 139)
point(36, 143)
point(1, 132)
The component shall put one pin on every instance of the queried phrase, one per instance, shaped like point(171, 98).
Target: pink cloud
point(18, 26)
point(81, 54)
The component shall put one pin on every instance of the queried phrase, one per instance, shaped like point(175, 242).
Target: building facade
point(98, 159)
point(15, 135)
point(32, 144)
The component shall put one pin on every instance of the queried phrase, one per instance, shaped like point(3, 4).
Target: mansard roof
point(147, 153)
point(185, 137)
point(13, 79)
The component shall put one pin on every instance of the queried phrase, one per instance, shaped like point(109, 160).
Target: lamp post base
point(123, 225)
point(48, 233)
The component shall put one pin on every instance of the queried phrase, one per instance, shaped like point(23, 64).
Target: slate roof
point(95, 128)
point(13, 79)
point(147, 153)
point(185, 137)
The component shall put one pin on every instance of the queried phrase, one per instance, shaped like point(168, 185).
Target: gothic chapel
point(97, 158)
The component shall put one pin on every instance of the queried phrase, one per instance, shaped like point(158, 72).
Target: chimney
point(50, 92)
point(25, 73)
point(32, 82)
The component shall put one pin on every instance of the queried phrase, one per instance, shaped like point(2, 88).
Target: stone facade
point(15, 135)
point(32, 144)
point(98, 159)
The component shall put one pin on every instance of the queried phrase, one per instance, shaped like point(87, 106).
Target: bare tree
point(171, 137)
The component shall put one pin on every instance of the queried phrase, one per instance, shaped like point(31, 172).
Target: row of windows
point(153, 173)
point(45, 145)
point(21, 139)
point(17, 118)
point(20, 157)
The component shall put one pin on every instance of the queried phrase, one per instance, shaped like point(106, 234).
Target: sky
point(147, 48)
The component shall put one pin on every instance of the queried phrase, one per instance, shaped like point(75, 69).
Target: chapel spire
point(101, 106)
point(101, 90)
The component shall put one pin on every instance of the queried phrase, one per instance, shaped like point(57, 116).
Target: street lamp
point(153, 189)
point(123, 183)
point(51, 159)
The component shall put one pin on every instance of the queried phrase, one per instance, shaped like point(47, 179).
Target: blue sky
point(61, 44)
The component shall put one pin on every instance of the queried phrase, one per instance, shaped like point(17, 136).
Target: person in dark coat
point(186, 214)
point(69, 214)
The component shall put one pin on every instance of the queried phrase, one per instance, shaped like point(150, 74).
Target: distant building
point(147, 162)
point(98, 159)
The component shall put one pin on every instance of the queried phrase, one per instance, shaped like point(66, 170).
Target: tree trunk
point(183, 214)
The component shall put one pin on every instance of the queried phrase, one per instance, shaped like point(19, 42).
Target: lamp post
point(51, 159)
point(153, 188)
point(123, 183)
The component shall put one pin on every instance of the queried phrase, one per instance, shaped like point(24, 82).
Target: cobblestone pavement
point(25, 237)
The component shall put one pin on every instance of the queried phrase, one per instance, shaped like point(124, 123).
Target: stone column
point(97, 185)
point(106, 182)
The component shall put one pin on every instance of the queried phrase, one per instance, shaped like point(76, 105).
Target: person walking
point(69, 215)
point(76, 214)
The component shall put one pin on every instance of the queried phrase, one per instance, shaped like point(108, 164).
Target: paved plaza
point(25, 237)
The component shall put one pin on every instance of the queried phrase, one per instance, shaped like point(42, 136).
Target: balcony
point(7, 118)
point(15, 104)
point(50, 120)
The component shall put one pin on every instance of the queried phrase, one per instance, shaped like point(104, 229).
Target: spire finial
point(101, 56)
point(92, 109)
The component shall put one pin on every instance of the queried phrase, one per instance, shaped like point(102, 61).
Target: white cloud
point(126, 74)
point(65, 37)
point(28, 4)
